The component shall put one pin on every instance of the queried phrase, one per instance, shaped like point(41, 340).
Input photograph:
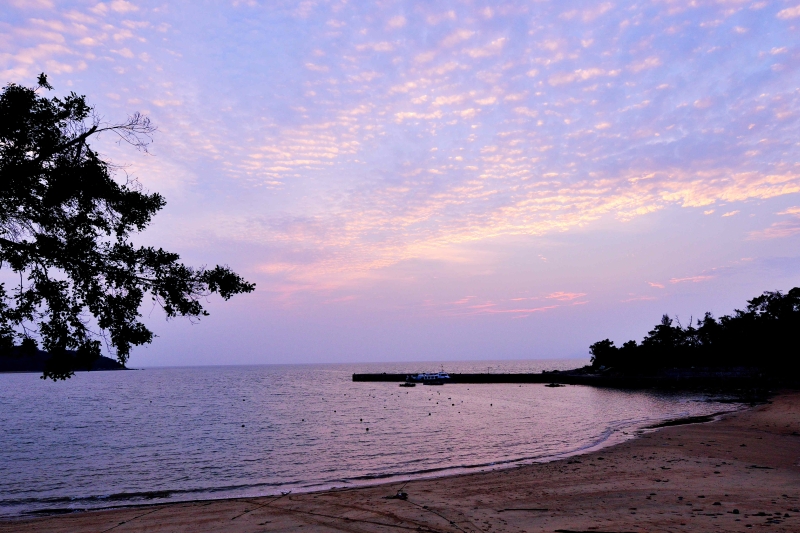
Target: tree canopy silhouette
point(65, 228)
point(764, 335)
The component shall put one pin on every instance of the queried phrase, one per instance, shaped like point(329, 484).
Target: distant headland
point(15, 360)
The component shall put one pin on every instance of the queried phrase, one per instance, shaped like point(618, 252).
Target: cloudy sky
point(454, 180)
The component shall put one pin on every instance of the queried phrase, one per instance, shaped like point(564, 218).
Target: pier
point(676, 380)
point(548, 377)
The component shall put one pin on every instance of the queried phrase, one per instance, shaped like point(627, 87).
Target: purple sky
point(445, 180)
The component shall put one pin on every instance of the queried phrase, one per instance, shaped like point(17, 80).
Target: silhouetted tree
point(765, 335)
point(604, 353)
point(65, 227)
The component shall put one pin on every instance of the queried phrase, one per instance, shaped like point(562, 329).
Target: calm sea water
point(120, 438)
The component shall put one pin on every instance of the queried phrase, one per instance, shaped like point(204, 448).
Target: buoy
point(367, 429)
point(242, 425)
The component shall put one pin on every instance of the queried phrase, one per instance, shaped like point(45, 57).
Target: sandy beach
point(739, 473)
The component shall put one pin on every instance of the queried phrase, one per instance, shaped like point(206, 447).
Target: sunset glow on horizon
point(413, 181)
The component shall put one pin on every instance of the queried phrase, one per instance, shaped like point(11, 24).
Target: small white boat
point(429, 378)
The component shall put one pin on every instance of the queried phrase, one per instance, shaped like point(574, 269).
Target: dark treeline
point(765, 335)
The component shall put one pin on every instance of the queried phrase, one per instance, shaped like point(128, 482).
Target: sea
point(106, 439)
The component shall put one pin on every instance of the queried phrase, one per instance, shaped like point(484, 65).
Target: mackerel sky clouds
point(445, 180)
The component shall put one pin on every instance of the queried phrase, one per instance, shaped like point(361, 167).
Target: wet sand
point(740, 473)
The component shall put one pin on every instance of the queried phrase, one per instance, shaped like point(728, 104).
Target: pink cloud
point(656, 285)
point(784, 228)
point(528, 310)
point(565, 296)
point(693, 279)
point(638, 299)
point(491, 309)
point(789, 13)
point(787, 228)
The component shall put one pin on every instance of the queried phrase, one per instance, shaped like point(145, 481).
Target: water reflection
point(171, 434)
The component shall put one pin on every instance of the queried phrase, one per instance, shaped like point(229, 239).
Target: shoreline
point(677, 477)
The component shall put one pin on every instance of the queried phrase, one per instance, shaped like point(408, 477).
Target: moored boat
point(429, 378)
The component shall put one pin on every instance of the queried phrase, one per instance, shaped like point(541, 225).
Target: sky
point(451, 180)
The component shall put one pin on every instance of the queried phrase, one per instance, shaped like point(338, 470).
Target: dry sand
point(740, 473)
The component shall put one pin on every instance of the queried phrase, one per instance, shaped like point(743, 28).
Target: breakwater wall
point(465, 378)
point(684, 381)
